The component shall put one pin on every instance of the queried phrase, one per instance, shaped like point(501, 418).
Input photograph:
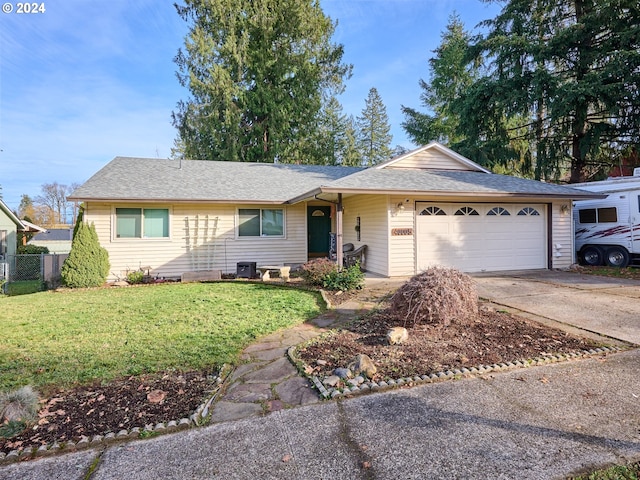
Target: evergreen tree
point(256, 71)
point(88, 263)
point(451, 75)
point(568, 71)
point(374, 137)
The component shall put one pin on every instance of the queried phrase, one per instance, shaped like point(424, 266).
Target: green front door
point(318, 228)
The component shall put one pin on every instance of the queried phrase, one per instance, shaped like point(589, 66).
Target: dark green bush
point(315, 271)
point(346, 279)
point(88, 263)
point(31, 250)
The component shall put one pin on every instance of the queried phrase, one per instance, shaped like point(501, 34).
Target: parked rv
point(607, 231)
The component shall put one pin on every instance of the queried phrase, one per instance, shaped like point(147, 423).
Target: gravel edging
point(197, 418)
point(357, 386)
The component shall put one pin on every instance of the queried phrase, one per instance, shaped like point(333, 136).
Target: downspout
point(339, 232)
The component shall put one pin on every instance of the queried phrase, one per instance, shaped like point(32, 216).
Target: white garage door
point(481, 237)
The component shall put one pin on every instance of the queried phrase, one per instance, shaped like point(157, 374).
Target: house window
point(598, 215)
point(466, 211)
point(142, 223)
point(432, 211)
point(3, 242)
point(498, 211)
point(261, 222)
point(528, 211)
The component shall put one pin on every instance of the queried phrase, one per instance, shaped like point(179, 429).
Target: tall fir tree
point(374, 137)
point(256, 71)
point(451, 74)
point(334, 137)
point(564, 77)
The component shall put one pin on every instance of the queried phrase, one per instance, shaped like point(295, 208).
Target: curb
point(371, 386)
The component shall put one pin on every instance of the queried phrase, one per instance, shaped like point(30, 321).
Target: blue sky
point(86, 81)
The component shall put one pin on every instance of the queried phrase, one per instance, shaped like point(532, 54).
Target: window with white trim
point(261, 222)
point(466, 211)
point(498, 211)
point(142, 223)
point(528, 212)
point(432, 211)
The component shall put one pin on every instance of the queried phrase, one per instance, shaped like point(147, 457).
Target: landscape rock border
point(327, 393)
point(197, 418)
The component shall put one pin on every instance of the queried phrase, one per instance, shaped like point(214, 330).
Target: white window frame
point(261, 235)
point(114, 223)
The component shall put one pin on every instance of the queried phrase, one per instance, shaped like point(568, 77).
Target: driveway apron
point(607, 306)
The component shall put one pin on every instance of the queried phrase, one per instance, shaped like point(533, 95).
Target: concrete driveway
point(603, 305)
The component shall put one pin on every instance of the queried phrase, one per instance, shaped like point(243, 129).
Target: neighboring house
point(429, 206)
point(10, 224)
point(57, 240)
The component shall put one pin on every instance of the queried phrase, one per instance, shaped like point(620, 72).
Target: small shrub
point(136, 276)
point(437, 295)
point(315, 271)
point(88, 263)
point(19, 405)
point(350, 278)
point(31, 250)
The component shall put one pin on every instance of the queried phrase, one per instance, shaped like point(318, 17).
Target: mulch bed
point(492, 337)
point(68, 415)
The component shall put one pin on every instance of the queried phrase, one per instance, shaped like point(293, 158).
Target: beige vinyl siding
point(10, 240)
point(430, 159)
point(219, 249)
point(402, 256)
point(562, 241)
point(372, 210)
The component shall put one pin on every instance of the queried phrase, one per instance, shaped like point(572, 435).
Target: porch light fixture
point(400, 207)
point(564, 209)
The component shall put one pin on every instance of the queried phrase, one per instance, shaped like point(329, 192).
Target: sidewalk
point(532, 423)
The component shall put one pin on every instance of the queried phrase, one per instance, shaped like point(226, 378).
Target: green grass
point(58, 338)
point(617, 472)
point(24, 287)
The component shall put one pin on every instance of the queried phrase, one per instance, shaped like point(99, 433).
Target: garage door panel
point(483, 242)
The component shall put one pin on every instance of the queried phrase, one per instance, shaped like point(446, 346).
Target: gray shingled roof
point(196, 180)
point(140, 179)
point(54, 235)
point(449, 181)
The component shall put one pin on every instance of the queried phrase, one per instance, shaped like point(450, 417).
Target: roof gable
point(433, 156)
point(7, 211)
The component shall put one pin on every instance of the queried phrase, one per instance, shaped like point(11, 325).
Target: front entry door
point(318, 228)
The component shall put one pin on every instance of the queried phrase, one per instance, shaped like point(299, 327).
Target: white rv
point(607, 231)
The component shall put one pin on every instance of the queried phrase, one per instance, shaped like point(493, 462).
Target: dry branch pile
point(437, 295)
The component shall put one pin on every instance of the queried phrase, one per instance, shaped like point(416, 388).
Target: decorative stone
point(343, 372)
point(321, 363)
point(397, 335)
point(331, 381)
point(364, 364)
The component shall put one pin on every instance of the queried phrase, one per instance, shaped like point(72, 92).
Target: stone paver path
point(267, 381)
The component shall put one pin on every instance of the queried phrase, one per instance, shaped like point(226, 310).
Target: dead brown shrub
point(437, 295)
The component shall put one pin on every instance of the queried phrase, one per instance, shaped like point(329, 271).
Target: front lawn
point(60, 338)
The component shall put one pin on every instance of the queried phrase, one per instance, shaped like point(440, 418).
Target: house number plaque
point(401, 231)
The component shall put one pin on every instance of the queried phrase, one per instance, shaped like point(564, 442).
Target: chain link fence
point(43, 269)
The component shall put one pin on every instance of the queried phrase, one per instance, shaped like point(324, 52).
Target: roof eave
point(177, 200)
point(432, 193)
